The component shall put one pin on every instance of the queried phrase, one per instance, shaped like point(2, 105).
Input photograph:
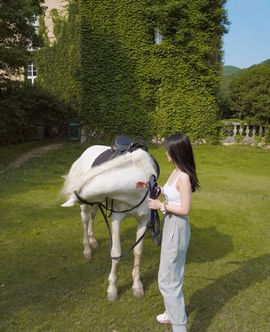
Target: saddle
point(123, 144)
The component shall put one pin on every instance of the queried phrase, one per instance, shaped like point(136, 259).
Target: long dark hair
point(180, 150)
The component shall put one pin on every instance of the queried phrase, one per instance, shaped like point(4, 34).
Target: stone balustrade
point(243, 133)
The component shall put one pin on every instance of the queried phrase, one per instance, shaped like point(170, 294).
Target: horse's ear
point(70, 202)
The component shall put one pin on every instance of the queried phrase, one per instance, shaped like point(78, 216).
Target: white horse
point(115, 179)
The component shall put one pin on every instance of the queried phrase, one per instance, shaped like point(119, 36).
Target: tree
point(17, 32)
point(250, 94)
point(224, 92)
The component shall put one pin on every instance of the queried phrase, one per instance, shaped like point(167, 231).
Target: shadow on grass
point(207, 244)
point(45, 276)
point(208, 301)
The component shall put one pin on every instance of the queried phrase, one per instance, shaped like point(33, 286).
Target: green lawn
point(8, 153)
point(46, 285)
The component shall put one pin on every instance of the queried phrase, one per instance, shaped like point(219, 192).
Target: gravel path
point(32, 154)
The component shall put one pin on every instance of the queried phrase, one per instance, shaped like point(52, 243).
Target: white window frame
point(30, 73)
point(158, 36)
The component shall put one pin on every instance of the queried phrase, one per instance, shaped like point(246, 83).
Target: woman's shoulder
point(183, 179)
point(183, 176)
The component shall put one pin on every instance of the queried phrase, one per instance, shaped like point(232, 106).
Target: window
point(30, 46)
point(158, 36)
point(35, 23)
point(31, 73)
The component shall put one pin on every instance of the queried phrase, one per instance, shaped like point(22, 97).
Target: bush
point(23, 107)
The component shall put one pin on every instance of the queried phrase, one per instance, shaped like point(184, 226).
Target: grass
point(8, 153)
point(46, 285)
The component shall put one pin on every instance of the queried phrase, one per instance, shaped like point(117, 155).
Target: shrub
point(23, 107)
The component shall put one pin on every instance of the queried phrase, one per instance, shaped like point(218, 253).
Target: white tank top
point(172, 195)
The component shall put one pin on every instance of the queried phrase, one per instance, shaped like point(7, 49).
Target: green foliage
point(230, 70)
point(250, 94)
point(130, 84)
point(266, 61)
point(230, 73)
point(43, 30)
point(58, 64)
point(189, 108)
point(17, 29)
point(23, 107)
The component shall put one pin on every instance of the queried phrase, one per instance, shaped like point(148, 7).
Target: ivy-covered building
point(151, 67)
point(58, 61)
point(145, 67)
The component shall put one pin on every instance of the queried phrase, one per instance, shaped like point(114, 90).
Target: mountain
point(230, 70)
point(267, 62)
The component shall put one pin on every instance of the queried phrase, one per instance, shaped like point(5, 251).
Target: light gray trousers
point(175, 240)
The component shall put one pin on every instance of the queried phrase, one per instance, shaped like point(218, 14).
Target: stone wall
point(53, 4)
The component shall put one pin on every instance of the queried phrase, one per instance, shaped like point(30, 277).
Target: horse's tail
point(70, 202)
point(70, 183)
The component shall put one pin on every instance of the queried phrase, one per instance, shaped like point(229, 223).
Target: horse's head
point(115, 178)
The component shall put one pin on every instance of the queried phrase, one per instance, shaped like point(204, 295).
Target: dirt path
point(32, 154)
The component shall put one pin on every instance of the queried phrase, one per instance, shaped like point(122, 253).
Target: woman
point(176, 230)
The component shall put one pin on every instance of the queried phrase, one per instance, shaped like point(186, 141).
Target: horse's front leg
point(85, 220)
point(137, 286)
point(92, 214)
point(115, 252)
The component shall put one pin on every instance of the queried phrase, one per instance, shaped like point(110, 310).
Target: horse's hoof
point(138, 292)
point(93, 243)
point(87, 255)
point(112, 296)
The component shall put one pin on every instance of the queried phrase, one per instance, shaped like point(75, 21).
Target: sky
point(248, 40)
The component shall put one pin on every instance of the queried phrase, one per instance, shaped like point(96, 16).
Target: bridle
point(153, 224)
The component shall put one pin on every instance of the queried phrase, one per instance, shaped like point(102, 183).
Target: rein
point(106, 206)
point(154, 191)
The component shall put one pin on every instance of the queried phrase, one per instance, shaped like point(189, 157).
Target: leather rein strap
point(106, 206)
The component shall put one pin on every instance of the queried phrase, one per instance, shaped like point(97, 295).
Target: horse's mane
point(75, 180)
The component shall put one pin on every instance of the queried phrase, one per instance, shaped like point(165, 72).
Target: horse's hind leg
point(92, 214)
point(85, 220)
point(137, 286)
point(115, 252)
